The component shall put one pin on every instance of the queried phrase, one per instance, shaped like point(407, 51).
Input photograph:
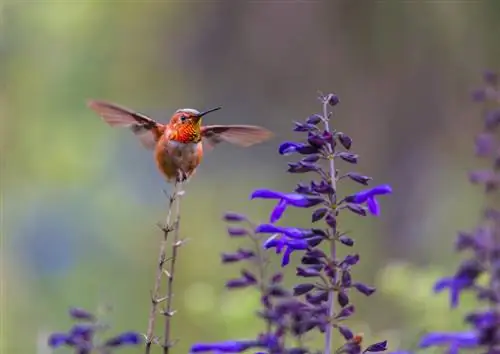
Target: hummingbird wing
point(241, 135)
point(146, 129)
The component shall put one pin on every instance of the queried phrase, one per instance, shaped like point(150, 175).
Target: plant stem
point(170, 276)
point(333, 245)
point(159, 271)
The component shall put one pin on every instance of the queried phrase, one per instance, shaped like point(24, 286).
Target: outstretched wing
point(146, 129)
point(241, 135)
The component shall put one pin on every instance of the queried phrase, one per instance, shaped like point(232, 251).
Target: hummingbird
point(178, 144)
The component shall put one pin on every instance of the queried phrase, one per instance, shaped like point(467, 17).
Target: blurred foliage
point(80, 201)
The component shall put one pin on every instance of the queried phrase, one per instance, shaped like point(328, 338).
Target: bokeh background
point(80, 201)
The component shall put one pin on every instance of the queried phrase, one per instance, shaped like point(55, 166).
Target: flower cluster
point(81, 336)
point(327, 280)
point(483, 244)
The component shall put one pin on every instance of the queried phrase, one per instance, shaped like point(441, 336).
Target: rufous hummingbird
point(178, 145)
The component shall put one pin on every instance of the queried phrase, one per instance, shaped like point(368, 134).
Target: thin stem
point(261, 266)
point(155, 300)
point(175, 246)
point(333, 245)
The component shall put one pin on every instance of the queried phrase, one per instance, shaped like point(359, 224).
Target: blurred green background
point(80, 200)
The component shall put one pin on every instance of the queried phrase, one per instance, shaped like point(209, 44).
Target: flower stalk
point(163, 272)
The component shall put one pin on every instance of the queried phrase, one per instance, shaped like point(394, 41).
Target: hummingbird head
point(186, 123)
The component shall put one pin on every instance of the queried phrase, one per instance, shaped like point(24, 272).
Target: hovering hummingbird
point(178, 145)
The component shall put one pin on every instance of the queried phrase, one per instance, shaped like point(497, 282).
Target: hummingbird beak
point(198, 117)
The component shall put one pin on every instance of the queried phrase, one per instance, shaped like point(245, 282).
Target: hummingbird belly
point(178, 161)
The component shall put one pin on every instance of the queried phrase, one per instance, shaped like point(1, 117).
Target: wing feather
point(241, 135)
point(146, 129)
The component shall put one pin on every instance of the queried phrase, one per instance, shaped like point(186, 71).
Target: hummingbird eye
point(183, 118)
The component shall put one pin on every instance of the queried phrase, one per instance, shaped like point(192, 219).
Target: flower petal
point(278, 211)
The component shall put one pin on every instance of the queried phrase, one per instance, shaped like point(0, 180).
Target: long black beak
point(207, 111)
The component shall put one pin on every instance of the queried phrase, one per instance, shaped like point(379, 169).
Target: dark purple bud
point(238, 283)
point(301, 167)
point(315, 241)
point(320, 232)
point(310, 260)
point(485, 144)
point(348, 157)
point(351, 259)
point(345, 332)
point(239, 255)
point(328, 139)
point(377, 347)
point(331, 221)
point(311, 158)
point(357, 209)
point(234, 217)
point(277, 278)
point(303, 127)
point(249, 276)
point(81, 314)
point(277, 291)
point(364, 289)
point(342, 299)
point(308, 272)
point(322, 187)
point(127, 338)
point(316, 253)
point(346, 279)
point(317, 298)
point(492, 119)
point(237, 231)
point(464, 241)
point(302, 289)
point(57, 339)
point(314, 119)
point(356, 177)
point(346, 240)
point(345, 140)
point(319, 214)
point(482, 176)
point(332, 99)
point(346, 312)
point(490, 77)
point(303, 188)
point(315, 140)
point(478, 95)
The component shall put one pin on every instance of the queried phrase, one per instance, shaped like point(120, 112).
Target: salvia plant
point(83, 336)
point(479, 272)
point(320, 300)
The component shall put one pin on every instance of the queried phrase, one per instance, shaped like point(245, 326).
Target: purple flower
point(453, 340)
point(127, 338)
point(288, 148)
point(368, 196)
point(286, 199)
point(224, 347)
point(292, 232)
point(281, 242)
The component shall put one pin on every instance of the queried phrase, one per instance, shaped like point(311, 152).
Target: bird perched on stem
point(178, 145)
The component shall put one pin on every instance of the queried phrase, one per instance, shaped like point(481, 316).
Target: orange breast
point(177, 160)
